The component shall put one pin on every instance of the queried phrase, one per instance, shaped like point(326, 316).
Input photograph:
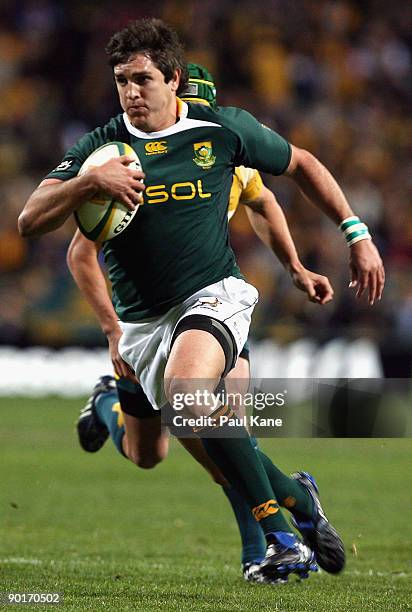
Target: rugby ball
point(103, 218)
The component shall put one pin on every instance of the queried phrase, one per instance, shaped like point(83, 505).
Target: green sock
point(109, 412)
point(251, 534)
point(241, 466)
point(288, 491)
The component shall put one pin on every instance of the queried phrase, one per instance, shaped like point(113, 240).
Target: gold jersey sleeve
point(247, 185)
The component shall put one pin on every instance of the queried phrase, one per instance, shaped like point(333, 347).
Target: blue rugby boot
point(91, 431)
point(285, 555)
point(317, 532)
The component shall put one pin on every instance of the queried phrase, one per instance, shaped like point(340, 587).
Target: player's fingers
point(378, 285)
point(325, 291)
point(353, 276)
point(381, 282)
point(325, 300)
point(123, 370)
point(134, 196)
point(116, 367)
point(132, 375)
point(138, 185)
point(310, 291)
point(128, 201)
point(128, 373)
point(125, 159)
point(362, 284)
point(373, 285)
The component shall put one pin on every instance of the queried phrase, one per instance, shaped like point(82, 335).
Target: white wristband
point(354, 230)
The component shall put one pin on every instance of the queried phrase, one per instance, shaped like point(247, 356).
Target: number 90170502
point(31, 598)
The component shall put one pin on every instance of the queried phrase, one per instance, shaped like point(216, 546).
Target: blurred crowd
point(334, 77)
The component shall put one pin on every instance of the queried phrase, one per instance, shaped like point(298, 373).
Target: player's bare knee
point(132, 456)
point(144, 461)
point(178, 390)
point(148, 463)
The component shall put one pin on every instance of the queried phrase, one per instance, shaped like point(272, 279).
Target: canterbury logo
point(266, 509)
point(154, 148)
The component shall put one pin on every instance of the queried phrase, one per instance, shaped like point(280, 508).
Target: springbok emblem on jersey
point(204, 155)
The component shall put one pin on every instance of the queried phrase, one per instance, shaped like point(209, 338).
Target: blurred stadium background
point(331, 76)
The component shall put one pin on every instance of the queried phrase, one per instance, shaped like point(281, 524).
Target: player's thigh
point(195, 353)
point(146, 441)
point(194, 369)
point(212, 331)
point(195, 365)
point(240, 371)
point(237, 385)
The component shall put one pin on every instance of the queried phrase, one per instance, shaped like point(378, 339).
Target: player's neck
point(159, 121)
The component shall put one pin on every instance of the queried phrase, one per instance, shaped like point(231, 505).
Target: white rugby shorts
point(145, 345)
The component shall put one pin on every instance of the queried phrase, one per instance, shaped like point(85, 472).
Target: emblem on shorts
point(204, 157)
point(209, 302)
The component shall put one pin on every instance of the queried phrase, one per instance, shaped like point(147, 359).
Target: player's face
point(149, 102)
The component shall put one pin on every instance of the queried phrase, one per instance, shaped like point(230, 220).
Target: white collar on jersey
point(180, 126)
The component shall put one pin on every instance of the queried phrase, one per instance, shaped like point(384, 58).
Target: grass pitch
point(111, 537)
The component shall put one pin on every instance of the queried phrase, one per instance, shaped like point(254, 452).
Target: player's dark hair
point(155, 39)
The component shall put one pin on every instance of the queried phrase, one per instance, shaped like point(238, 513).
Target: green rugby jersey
point(178, 240)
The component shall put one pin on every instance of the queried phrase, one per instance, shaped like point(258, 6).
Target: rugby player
point(168, 268)
point(124, 412)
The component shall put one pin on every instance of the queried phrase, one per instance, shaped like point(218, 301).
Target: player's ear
point(175, 80)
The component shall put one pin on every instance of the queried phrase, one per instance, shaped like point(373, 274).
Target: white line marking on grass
point(21, 561)
point(372, 572)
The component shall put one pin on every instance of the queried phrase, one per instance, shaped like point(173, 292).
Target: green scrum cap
point(200, 88)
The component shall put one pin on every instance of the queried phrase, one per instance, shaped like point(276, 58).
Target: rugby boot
point(317, 532)
point(92, 433)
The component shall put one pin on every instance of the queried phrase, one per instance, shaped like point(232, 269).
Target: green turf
point(112, 537)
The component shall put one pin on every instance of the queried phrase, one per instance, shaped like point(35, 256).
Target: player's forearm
point(90, 279)
point(50, 205)
point(318, 185)
point(269, 223)
point(276, 235)
point(96, 295)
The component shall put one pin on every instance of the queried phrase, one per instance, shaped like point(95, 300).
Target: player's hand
point(367, 271)
point(121, 368)
point(317, 287)
point(121, 182)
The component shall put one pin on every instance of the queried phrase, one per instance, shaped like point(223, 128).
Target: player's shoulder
point(88, 143)
point(113, 126)
point(112, 130)
point(230, 117)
